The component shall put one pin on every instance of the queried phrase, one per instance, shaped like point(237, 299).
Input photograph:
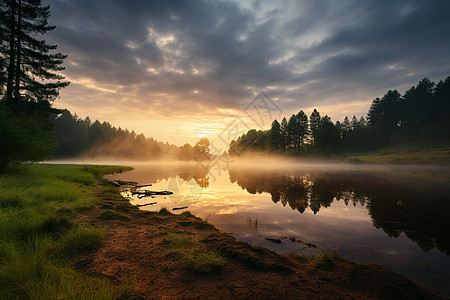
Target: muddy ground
point(136, 257)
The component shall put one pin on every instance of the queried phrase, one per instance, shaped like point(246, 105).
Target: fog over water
point(393, 215)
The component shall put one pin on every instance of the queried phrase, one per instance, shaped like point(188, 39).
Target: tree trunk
point(9, 86)
point(18, 62)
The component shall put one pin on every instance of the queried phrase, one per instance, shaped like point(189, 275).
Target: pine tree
point(275, 136)
point(284, 134)
point(29, 82)
point(30, 69)
point(314, 122)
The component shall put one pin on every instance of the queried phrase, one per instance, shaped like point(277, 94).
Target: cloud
point(185, 58)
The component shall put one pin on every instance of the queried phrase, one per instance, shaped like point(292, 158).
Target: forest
point(420, 115)
point(77, 137)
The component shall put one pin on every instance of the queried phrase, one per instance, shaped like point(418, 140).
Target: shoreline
point(155, 250)
point(68, 233)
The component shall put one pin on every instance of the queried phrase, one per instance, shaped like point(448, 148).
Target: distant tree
point(72, 135)
point(186, 152)
point(418, 102)
point(298, 129)
point(275, 136)
point(201, 149)
point(385, 116)
point(362, 122)
point(441, 108)
point(328, 137)
point(354, 124)
point(314, 122)
point(346, 127)
point(284, 134)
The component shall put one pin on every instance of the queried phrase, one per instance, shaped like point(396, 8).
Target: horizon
point(181, 71)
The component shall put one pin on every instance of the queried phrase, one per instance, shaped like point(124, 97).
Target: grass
point(407, 153)
point(113, 215)
point(38, 235)
point(194, 255)
point(325, 260)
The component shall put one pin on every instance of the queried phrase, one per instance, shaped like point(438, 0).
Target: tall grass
point(38, 236)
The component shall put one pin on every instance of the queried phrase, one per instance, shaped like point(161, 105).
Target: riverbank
point(130, 253)
point(405, 154)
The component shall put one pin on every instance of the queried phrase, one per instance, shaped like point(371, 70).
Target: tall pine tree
point(29, 82)
point(30, 68)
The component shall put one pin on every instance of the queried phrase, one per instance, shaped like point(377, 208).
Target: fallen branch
point(152, 203)
point(144, 185)
point(151, 193)
point(122, 182)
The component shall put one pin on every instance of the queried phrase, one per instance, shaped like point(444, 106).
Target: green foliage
point(75, 136)
point(420, 115)
point(23, 138)
point(31, 71)
point(38, 234)
point(328, 138)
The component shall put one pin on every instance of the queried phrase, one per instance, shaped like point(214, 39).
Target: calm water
point(397, 217)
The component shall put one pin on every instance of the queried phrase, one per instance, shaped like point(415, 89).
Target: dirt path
point(137, 248)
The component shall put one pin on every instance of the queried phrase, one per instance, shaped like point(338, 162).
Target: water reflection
point(413, 206)
point(396, 217)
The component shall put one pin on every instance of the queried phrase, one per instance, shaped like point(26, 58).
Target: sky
point(181, 70)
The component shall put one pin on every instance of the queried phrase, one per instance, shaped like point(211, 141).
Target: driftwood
point(150, 193)
point(152, 203)
point(143, 185)
point(177, 208)
point(122, 182)
point(294, 240)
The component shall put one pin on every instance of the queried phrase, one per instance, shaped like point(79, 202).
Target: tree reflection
point(417, 207)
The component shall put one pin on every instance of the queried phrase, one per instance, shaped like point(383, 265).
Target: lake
point(395, 216)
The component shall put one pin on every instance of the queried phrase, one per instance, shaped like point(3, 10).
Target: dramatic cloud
point(181, 60)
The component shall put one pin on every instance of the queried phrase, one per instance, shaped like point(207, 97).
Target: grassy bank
point(52, 217)
point(408, 153)
point(39, 235)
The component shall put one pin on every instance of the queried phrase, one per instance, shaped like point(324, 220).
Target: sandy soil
point(135, 251)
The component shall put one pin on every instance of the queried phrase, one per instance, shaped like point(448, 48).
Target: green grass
point(409, 153)
point(113, 215)
point(194, 256)
point(38, 235)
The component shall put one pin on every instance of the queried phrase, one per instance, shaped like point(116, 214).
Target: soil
point(136, 260)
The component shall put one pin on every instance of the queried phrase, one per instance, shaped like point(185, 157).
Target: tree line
point(30, 128)
point(421, 114)
point(77, 137)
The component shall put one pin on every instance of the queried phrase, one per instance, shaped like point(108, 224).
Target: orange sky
point(181, 70)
